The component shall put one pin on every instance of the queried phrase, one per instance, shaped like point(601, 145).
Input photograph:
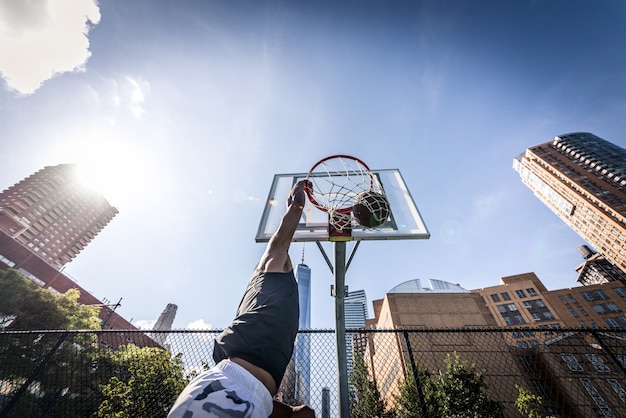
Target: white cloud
point(199, 324)
point(137, 95)
point(145, 323)
point(130, 94)
point(43, 38)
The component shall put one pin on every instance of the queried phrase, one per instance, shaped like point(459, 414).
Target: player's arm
point(276, 256)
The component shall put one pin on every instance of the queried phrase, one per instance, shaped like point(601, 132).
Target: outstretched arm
point(276, 257)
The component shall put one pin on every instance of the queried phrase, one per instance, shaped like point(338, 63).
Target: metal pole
point(340, 329)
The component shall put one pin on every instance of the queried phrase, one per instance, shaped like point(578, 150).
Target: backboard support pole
point(340, 329)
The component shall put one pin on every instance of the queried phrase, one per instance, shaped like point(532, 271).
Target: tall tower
point(164, 323)
point(302, 352)
point(355, 308)
point(53, 213)
point(581, 178)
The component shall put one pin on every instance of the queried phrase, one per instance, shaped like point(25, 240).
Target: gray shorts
point(226, 390)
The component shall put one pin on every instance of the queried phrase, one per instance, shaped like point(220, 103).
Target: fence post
point(32, 376)
point(416, 378)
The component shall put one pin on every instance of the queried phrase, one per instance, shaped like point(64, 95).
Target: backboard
point(405, 221)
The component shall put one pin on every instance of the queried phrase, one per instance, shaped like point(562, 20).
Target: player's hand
point(297, 196)
point(282, 410)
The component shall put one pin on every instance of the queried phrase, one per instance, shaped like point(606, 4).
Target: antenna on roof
point(303, 244)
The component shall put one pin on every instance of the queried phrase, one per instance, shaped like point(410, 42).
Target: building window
point(588, 296)
point(520, 293)
point(617, 388)
point(512, 307)
point(502, 309)
point(573, 312)
point(621, 292)
point(563, 299)
point(605, 411)
point(540, 389)
point(548, 315)
point(571, 362)
point(505, 296)
point(519, 319)
point(583, 311)
point(495, 298)
point(612, 307)
point(611, 322)
point(571, 298)
point(531, 291)
point(536, 316)
point(600, 295)
point(599, 309)
point(526, 364)
point(598, 363)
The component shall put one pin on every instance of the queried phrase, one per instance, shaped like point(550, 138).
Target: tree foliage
point(145, 382)
point(53, 363)
point(528, 404)
point(457, 392)
point(366, 400)
point(26, 306)
point(63, 374)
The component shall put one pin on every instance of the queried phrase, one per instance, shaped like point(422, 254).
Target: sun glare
point(111, 169)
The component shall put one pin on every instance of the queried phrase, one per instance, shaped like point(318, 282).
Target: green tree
point(456, 392)
point(26, 306)
point(407, 402)
point(145, 382)
point(53, 363)
point(528, 403)
point(366, 401)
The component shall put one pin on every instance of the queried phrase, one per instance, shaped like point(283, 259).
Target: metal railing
point(392, 373)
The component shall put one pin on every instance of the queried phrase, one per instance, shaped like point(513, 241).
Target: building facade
point(45, 221)
point(582, 178)
point(535, 354)
point(53, 213)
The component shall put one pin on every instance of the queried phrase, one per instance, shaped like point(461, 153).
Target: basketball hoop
point(335, 184)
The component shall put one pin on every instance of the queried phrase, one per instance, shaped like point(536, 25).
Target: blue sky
point(191, 107)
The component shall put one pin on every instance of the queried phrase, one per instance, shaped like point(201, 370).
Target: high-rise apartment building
point(582, 178)
point(53, 213)
point(45, 221)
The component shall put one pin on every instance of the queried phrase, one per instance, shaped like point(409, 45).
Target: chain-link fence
point(392, 373)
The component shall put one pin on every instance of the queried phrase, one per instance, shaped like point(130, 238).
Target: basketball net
point(336, 181)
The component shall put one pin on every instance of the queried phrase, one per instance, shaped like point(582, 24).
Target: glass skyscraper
point(302, 351)
point(582, 179)
point(355, 308)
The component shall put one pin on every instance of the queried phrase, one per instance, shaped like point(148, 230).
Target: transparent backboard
point(405, 221)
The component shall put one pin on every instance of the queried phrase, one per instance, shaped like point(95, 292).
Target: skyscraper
point(53, 213)
point(355, 308)
point(45, 221)
point(302, 351)
point(582, 178)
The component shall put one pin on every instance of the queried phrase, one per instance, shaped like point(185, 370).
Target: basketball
point(371, 209)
